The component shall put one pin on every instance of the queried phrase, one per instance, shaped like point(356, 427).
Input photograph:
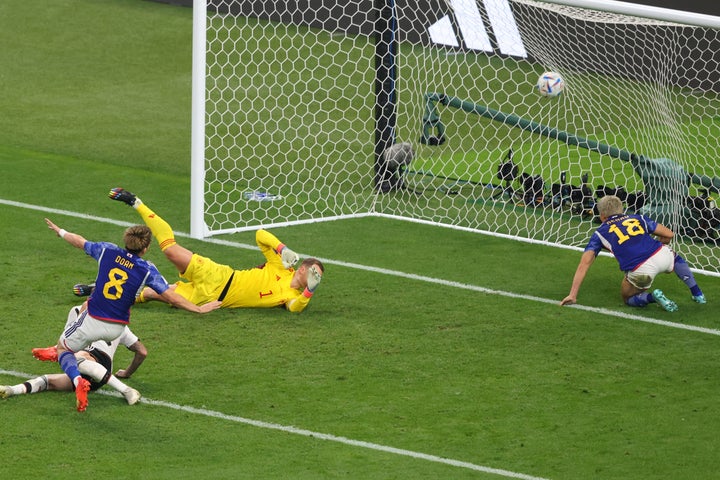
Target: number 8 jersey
point(121, 276)
point(628, 238)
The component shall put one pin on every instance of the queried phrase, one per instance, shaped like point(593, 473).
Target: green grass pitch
point(427, 353)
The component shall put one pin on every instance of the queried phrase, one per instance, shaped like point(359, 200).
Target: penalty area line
point(384, 271)
point(312, 434)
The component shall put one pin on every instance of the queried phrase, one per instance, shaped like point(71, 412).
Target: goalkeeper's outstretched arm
point(274, 250)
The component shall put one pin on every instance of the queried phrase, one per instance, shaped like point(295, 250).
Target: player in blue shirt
point(640, 245)
point(122, 273)
point(94, 362)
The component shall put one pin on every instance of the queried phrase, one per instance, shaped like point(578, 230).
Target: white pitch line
point(396, 273)
point(312, 434)
point(344, 440)
point(601, 311)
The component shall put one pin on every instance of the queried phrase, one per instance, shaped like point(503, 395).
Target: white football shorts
point(662, 262)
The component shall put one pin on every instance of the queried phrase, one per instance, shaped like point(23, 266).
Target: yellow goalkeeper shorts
point(206, 280)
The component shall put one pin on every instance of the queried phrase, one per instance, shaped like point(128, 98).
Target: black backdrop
point(708, 7)
point(358, 17)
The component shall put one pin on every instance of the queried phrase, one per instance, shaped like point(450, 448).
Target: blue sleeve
point(155, 280)
point(650, 224)
point(95, 249)
point(594, 244)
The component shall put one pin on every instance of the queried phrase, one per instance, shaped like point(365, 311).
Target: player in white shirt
point(94, 363)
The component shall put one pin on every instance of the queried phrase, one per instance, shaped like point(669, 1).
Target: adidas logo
point(473, 31)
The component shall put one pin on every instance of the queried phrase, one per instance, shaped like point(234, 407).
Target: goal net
point(287, 120)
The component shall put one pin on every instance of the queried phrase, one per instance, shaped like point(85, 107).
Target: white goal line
point(396, 273)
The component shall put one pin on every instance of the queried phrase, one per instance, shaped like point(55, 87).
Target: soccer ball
point(550, 84)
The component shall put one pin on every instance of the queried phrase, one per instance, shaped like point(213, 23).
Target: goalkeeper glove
point(289, 258)
point(313, 278)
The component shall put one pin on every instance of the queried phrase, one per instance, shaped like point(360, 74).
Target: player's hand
point(289, 258)
point(52, 226)
point(210, 306)
point(313, 278)
point(122, 374)
point(569, 300)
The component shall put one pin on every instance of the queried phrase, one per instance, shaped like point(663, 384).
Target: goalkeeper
point(273, 284)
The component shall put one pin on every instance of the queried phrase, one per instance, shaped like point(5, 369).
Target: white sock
point(117, 384)
point(16, 390)
point(97, 372)
point(34, 385)
point(39, 384)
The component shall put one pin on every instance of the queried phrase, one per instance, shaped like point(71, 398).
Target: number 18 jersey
point(628, 238)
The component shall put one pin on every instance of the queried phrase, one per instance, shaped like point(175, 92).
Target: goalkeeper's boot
point(81, 393)
point(122, 195)
point(664, 302)
point(48, 354)
point(699, 298)
point(83, 289)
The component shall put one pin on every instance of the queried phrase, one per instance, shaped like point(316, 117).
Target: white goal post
point(426, 110)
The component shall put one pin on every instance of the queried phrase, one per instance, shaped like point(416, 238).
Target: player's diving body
point(275, 283)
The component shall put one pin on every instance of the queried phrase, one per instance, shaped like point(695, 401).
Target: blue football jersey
point(121, 276)
point(628, 238)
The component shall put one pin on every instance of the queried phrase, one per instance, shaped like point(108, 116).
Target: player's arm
point(168, 295)
point(140, 355)
point(298, 304)
point(176, 300)
point(312, 278)
point(663, 233)
point(72, 238)
point(587, 259)
point(274, 250)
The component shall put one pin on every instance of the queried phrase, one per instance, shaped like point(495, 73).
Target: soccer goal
point(428, 111)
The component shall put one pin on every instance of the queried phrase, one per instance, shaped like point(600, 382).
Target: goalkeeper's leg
point(161, 230)
point(177, 254)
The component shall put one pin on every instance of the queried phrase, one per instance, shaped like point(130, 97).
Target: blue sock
point(682, 270)
point(69, 365)
point(640, 300)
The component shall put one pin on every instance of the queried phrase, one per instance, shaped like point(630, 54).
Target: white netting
point(288, 133)
point(290, 118)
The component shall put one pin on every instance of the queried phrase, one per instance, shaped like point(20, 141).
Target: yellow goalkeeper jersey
point(264, 286)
